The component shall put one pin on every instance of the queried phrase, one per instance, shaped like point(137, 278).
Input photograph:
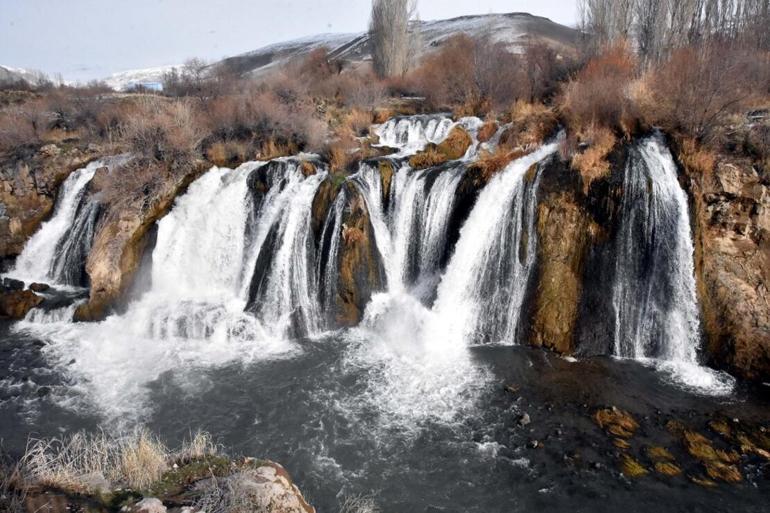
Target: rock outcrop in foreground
point(212, 483)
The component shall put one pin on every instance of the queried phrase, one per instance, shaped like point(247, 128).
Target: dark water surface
point(347, 425)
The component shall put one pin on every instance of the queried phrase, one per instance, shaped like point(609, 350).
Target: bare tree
point(390, 36)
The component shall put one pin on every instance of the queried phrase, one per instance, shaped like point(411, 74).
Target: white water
point(35, 262)
point(411, 134)
point(481, 293)
point(193, 315)
point(289, 299)
point(654, 295)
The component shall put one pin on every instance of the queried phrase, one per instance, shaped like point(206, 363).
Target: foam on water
point(191, 318)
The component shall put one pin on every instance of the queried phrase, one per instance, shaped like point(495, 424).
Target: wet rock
point(39, 287)
point(631, 467)
point(15, 304)
point(563, 229)
point(9, 284)
point(122, 237)
point(616, 422)
point(361, 271)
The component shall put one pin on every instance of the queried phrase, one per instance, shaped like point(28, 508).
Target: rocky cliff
point(732, 211)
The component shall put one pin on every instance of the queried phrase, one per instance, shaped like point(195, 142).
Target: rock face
point(121, 239)
point(562, 230)
point(361, 271)
point(28, 190)
point(732, 209)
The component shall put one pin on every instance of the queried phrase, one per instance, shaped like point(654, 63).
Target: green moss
point(175, 481)
point(338, 179)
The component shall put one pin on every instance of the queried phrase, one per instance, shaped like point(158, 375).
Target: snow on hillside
point(13, 75)
point(151, 78)
point(514, 29)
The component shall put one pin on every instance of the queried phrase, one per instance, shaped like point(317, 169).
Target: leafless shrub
point(163, 130)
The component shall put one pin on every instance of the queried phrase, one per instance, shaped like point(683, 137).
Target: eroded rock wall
point(732, 215)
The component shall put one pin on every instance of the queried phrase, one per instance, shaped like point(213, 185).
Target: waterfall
point(411, 233)
point(56, 252)
point(653, 291)
point(481, 293)
point(283, 290)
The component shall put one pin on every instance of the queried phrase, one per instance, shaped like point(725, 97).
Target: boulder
point(149, 505)
point(15, 304)
point(11, 284)
point(39, 287)
point(267, 488)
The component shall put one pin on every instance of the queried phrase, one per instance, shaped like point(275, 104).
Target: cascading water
point(653, 292)
point(481, 293)
point(193, 313)
point(56, 252)
point(283, 291)
point(654, 288)
point(411, 133)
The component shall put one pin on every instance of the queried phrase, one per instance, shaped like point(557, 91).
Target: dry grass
point(358, 121)
point(86, 463)
point(428, 158)
point(490, 163)
point(453, 147)
point(592, 162)
point(487, 131)
point(696, 158)
point(531, 124)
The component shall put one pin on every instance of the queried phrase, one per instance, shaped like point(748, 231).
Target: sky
point(88, 39)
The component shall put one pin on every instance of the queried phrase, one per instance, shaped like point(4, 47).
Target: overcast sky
point(86, 39)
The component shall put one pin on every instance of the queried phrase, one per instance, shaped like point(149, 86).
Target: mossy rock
point(616, 422)
point(176, 482)
point(631, 467)
point(453, 147)
point(667, 468)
